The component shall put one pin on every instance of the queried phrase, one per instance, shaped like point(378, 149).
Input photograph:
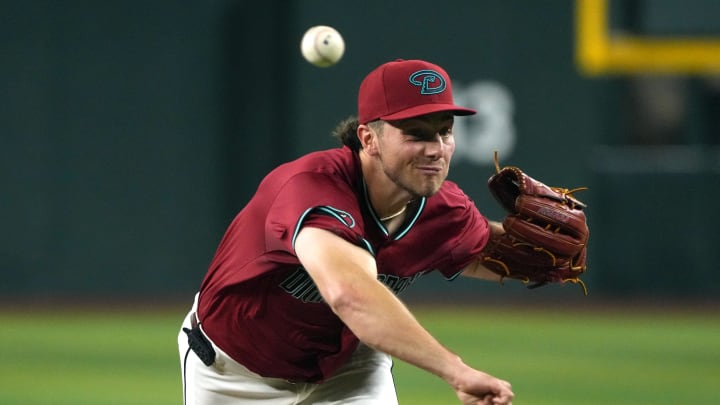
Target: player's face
point(416, 152)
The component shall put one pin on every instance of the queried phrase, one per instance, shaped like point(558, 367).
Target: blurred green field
point(550, 356)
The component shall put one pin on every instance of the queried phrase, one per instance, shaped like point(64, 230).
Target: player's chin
point(423, 185)
point(435, 182)
point(429, 188)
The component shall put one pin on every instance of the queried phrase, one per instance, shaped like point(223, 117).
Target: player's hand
point(482, 388)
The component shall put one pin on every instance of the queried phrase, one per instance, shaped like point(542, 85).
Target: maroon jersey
point(261, 307)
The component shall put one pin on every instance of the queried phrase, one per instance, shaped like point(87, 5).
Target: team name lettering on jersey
point(302, 287)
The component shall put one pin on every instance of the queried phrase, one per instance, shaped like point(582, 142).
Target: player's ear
point(367, 138)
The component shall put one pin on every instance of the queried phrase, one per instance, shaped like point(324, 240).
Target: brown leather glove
point(546, 232)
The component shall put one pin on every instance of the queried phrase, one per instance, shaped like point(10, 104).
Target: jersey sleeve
point(312, 199)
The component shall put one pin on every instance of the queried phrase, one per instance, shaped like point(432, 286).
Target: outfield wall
point(132, 132)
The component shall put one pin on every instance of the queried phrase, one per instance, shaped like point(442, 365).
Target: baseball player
point(299, 303)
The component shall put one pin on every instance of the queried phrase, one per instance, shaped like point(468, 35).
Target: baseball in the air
point(322, 46)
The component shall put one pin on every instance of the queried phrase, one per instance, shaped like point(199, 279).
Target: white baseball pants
point(366, 379)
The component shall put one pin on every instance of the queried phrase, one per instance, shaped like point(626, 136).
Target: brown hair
point(346, 131)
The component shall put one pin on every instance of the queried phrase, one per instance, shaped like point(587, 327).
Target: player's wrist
point(455, 373)
point(496, 228)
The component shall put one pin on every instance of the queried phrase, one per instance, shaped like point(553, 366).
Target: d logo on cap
point(426, 80)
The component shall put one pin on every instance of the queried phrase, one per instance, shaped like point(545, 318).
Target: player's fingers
point(491, 399)
point(487, 399)
point(505, 396)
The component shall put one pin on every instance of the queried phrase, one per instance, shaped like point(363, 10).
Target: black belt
point(199, 343)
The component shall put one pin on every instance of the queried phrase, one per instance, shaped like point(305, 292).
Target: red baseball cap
point(406, 88)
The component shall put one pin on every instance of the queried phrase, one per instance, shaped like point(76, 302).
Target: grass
point(550, 356)
point(89, 358)
point(579, 358)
